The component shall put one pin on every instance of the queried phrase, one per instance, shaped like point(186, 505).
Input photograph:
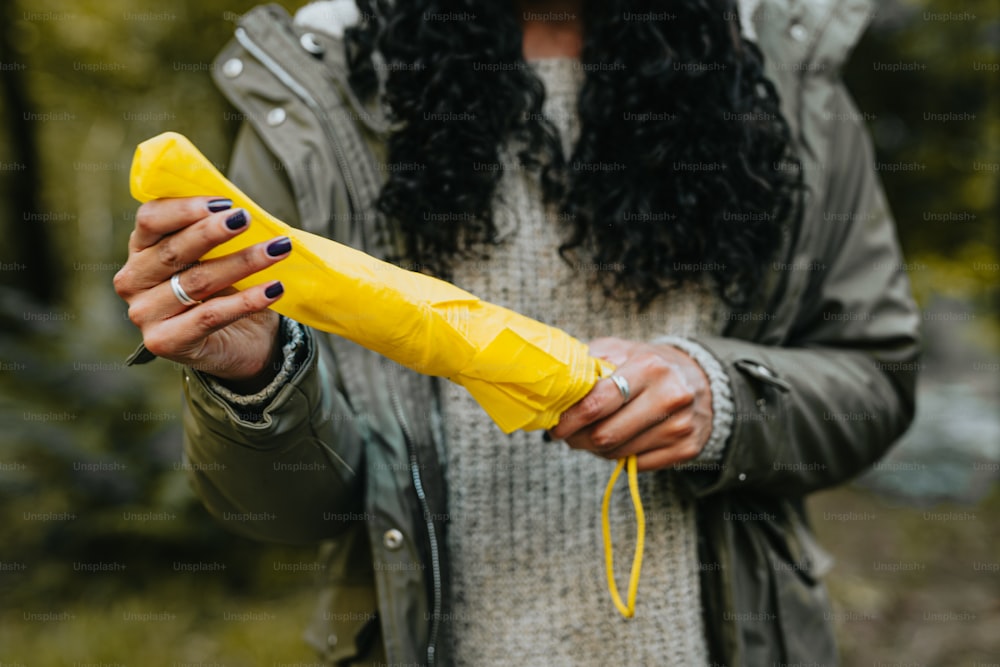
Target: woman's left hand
point(667, 419)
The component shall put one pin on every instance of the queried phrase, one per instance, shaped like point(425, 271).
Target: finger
point(602, 400)
point(211, 277)
point(160, 217)
point(181, 250)
point(621, 428)
point(674, 430)
point(614, 350)
point(183, 338)
point(657, 459)
point(641, 371)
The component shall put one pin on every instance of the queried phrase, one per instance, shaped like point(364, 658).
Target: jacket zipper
point(284, 77)
point(418, 485)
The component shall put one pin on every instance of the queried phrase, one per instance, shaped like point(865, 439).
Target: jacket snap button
point(743, 476)
point(276, 116)
point(393, 539)
point(233, 68)
point(331, 639)
point(798, 32)
point(311, 44)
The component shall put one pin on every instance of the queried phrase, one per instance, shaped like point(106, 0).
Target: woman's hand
point(231, 335)
point(667, 419)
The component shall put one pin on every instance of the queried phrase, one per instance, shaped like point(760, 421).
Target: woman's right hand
point(232, 335)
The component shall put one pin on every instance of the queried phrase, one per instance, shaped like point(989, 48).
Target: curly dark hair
point(684, 167)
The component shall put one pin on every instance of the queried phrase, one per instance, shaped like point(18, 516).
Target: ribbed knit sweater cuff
point(293, 343)
point(723, 409)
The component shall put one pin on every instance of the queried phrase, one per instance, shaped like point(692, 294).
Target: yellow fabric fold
point(523, 373)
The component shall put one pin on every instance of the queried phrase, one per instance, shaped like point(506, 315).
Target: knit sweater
point(524, 536)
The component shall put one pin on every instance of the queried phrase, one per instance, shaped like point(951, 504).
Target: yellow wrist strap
point(628, 611)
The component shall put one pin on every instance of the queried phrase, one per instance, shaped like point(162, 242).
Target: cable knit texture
point(529, 586)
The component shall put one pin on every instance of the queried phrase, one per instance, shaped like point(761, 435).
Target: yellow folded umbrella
point(523, 373)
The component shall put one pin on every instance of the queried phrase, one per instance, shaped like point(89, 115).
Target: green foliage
point(90, 465)
point(170, 622)
point(926, 77)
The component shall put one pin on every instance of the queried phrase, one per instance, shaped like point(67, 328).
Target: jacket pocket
point(762, 373)
point(345, 629)
point(803, 606)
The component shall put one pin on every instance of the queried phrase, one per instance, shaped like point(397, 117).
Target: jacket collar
point(817, 33)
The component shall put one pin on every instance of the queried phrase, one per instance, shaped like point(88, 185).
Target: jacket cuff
point(292, 347)
point(723, 408)
point(254, 410)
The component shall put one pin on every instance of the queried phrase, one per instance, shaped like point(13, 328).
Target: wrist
point(293, 348)
point(251, 378)
point(256, 382)
point(723, 407)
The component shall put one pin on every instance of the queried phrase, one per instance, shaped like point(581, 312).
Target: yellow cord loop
point(628, 611)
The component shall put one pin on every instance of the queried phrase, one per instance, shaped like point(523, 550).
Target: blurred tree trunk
point(26, 242)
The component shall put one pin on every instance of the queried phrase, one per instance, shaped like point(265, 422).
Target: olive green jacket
point(349, 453)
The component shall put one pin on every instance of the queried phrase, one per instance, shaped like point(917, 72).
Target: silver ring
point(182, 296)
point(623, 387)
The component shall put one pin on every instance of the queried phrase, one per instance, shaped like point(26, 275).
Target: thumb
point(613, 350)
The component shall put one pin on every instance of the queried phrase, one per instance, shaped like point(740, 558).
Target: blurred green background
point(99, 531)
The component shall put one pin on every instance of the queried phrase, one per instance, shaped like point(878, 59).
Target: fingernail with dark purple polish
point(237, 220)
point(217, 205)
point(279, 247)
point(274, 290)
point(546, 437)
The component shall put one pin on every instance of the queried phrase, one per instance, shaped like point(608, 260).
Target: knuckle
point(603, 439)
point(209, 318)
point(158, 345)
point(144, 217)
point(590, 408)
point(683, 427)
point(122, 281)
point(198, 281)
point(207, 234)
point(654, 363)
point(135, 316)
point(664, 407)
point(669, 403)
point(248, 304)
point(167, 252)
point(250, 261)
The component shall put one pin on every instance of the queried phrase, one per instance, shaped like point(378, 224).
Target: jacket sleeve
point(294, 474)
point(833, 398)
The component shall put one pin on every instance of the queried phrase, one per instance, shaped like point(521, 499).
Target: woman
point(694, 196)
